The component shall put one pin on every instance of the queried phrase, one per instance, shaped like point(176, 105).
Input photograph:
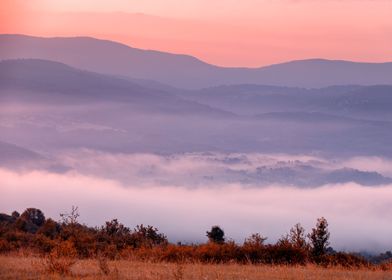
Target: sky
point(248, 33)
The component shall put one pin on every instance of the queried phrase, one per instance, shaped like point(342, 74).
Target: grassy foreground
point(19, 267)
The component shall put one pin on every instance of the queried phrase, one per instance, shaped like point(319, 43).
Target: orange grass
point(20, 267)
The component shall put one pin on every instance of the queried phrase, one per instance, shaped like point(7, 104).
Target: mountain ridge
point(311, 59)
point(49, 81)
point(185, 71)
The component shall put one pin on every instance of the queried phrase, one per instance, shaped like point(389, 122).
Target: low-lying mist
point(210, 169)
point(185, 194)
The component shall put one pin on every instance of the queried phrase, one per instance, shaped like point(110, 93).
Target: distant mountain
point(19, 158)
point(45, 81)
point(49, 106)
point(369, 102)
point(186, 71)
point(12, 153)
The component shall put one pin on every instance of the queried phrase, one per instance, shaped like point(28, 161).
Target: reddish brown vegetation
point(62, 242)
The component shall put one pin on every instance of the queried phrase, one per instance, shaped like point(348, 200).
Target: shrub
point(42, 243)
point(62, 258)
point(148, 236)
point(50, 229)
point(254, 248)
point(286, 254)
point(30, 220)
point(177, 253)
point(218, 253)
point(345, 260)
point(5, 246)
point(297, 237)
point(103, 265)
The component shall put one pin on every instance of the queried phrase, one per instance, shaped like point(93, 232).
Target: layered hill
point(185, 71)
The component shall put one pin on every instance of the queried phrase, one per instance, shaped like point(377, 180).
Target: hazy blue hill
point(305, 117)
point(80, 109)
point(19, 158)
point(10, 153)
point(52, 82)
point(369, 102)
point(51, 106)
point(324, 73)
point(186, 71)
point(104, 57)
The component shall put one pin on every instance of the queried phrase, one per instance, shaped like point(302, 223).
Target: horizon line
point(195, 57)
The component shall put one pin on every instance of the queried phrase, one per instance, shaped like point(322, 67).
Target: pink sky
point(230, 33)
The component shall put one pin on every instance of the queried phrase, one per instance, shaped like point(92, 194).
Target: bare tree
point(297, 237)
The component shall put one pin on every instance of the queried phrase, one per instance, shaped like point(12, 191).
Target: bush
point(30, 220)
point(61, 258)
point(177, 253)
point(218, 253)
point(345, 260)
point(148, 236)
point(5, 246)
point(286, 254)
point(50, 229)
point(254, 249)
point(103, 265)
point(68, 240)
point(42, 243)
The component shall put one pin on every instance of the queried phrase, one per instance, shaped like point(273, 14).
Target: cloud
point(358, 216)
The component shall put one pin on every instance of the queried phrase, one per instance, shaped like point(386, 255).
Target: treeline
point(32, 232)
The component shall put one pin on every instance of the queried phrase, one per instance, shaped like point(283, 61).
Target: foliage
point(103, 265)
point(319, 238)
point(66, 241)
point(30, 220)
point(297, 237)
point(62, 258)
point(216, 235)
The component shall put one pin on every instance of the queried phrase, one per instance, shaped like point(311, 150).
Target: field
point(19, 267)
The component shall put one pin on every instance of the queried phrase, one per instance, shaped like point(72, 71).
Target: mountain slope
point(369, 102)
point(185, 71)
point(52, 82)
point(10, 153)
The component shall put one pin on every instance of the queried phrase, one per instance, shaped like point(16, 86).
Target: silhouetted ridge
point(185, 71)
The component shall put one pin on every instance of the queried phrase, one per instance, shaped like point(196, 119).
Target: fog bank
point(358, 216)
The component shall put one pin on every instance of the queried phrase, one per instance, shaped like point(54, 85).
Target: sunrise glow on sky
point(229, 33)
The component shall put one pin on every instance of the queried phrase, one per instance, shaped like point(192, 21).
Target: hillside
point(184, 71)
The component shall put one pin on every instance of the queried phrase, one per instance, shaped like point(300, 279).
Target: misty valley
point(154, 136)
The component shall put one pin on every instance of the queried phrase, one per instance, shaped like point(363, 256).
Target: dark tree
point(216, 235)
point(30, 220)
point(33, 215)
point(255, 240)
point(114, 228)
point(148, 236)
point(15, 214)
point(297, 237)
point(50, 228)
point(319, 238)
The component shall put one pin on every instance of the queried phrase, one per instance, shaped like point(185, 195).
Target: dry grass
point(19, 267)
